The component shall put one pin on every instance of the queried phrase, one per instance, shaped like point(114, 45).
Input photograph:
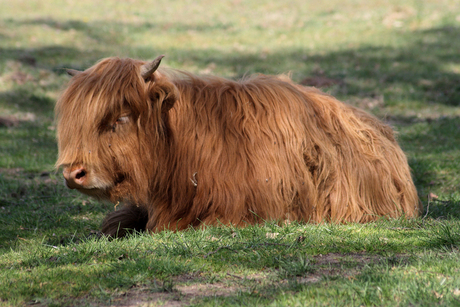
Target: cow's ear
point(163, 92)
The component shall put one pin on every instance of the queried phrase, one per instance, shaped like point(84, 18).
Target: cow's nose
point(75, 177)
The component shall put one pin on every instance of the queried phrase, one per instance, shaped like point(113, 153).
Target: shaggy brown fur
point(186, 150)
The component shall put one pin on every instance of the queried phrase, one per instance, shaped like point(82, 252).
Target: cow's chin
point(113, 192)
point(100, 194)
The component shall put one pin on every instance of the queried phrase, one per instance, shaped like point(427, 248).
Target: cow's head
point(110, 121)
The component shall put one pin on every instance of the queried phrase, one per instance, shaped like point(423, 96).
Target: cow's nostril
point(80, 174)
point(75, 178)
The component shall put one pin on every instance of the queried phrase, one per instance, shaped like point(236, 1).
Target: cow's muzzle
point(75, 177)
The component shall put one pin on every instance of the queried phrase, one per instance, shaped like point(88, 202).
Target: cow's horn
point(148, 69)
point(72, 72)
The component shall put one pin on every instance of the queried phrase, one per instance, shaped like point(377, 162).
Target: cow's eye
point(120, 121)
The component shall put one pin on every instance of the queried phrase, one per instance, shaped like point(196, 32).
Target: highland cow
point(178, 150)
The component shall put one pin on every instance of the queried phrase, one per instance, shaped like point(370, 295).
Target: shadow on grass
point(433, 148)
point(422, 70)
point(27, 100)
point(37, 205)
point(30, 145)
point(148, 280)
point(90, 28)
point(53, 58)
point(117, 269)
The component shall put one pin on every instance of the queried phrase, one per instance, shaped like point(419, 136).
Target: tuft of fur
point(210, 150)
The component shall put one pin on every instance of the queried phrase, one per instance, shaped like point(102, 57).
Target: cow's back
point(265, 148)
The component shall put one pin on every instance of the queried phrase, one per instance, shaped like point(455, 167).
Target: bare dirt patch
point(181, 295)
point(217, 289)
point(144, 298)
point(11, 171)
point(334, 264)
point(8, 121)
point(14, 120)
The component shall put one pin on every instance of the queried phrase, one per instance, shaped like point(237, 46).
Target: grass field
point(399, 60)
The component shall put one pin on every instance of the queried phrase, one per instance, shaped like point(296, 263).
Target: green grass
point(378, 264)
point(396, 59)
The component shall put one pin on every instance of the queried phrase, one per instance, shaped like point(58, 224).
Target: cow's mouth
point(102, 192)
